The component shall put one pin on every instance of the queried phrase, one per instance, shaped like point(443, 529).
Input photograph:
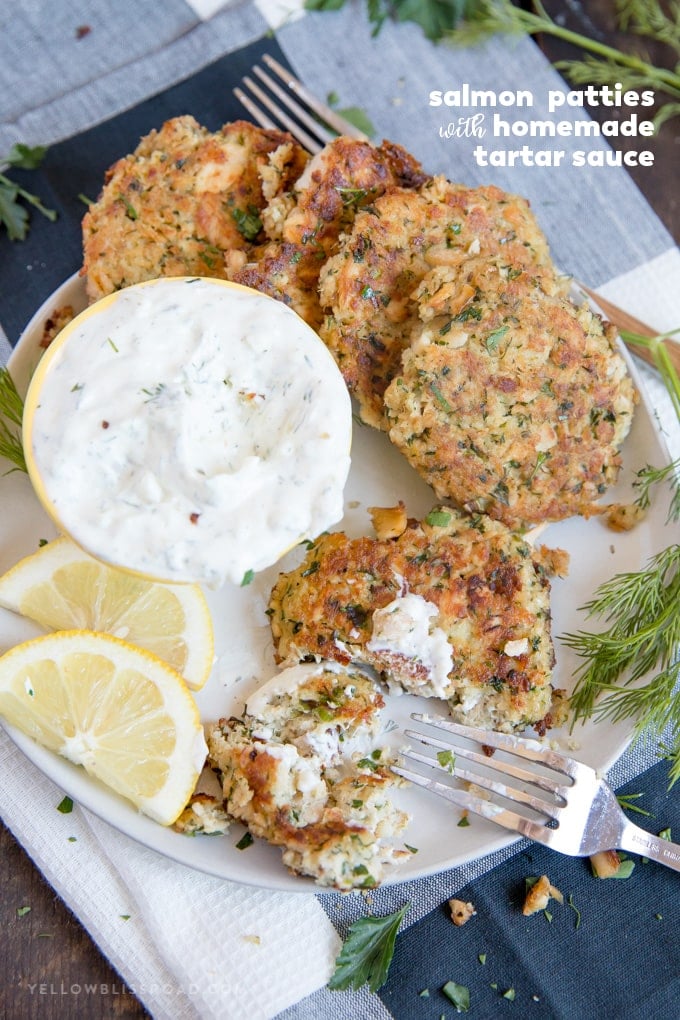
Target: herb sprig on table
point(640, 611)
point(11, 412)
point(468, 22)
point(367, 952)
point(13, 214)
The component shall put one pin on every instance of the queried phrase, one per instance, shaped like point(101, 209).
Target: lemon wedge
point(118, 711)
point(62, 588)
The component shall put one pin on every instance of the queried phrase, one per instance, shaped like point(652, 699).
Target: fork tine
point(468, 802)
point(495, 764)
point(295, 108)
point(519, 746)
point(311, 144)
point(337, 122)
point(258, 115)
point(484, 782)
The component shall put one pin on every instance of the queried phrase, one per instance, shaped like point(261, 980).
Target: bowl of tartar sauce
point(189, 430)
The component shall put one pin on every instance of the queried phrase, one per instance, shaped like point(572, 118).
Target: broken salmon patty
point(455, 607)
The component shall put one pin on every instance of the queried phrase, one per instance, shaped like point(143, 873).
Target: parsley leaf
point(367, 952)
point(65, 806)
point(245, 841)
point(13, 216)
point(435, 17)
point(459, 995)
point(438, 518)
point(23, 157)
point(359, 118)
point(247, 223)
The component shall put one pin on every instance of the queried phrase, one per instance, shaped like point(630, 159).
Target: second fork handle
point(624, 320)
point(639, 841)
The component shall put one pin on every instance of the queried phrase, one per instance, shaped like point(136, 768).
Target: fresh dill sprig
point(641, 614)
point(649, 477)
point(642, 637)
point(605, 64)
point(11, 412)
point(649, 19)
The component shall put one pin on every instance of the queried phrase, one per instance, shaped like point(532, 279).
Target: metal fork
point(311, 129)
point(560, 802)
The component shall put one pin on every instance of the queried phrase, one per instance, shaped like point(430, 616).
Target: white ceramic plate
point(379, 476)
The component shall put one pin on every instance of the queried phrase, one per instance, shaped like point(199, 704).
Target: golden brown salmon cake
point(511, 401)
point(181, 199)
point(304, 224)
point(368, 287)
point(301, 770)
point(455, 607)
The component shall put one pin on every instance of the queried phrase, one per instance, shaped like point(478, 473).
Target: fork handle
point(639, 841)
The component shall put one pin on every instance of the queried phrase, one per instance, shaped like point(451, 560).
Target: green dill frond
point(648, 18)
point(642, 637)
point(488, 18)
point(649, 477)
point(601, 71)
point(601, 64)
point(664, 113)
point(11, 412)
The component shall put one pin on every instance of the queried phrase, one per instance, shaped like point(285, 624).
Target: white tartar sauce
point(189, 430)
point(404, 626)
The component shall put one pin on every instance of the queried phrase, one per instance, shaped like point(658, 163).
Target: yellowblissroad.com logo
point(625, 122)
point(86, 989)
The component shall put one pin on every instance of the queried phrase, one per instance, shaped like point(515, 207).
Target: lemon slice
point(118, 711)
point(62, 588)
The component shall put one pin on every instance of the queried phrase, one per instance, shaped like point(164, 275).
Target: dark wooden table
point(47, 947)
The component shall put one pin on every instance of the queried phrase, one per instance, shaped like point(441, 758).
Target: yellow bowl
point(188, 430)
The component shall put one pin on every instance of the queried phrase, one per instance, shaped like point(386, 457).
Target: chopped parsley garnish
point(247, 578)
point(22, 911)
point(447, 760)
point(459, 995)
point(245, 841)
point(438, 518)
point(439, 397)
point(492, 339)
point(463, 822)
point(247, 223)
point(471, 312)
point(367, 952)
point(66, 806)
point(373, 762)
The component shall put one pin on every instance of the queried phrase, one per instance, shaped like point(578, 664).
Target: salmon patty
point(301, 770)
point(181, 200)
point(454, 607)
point(304, 224)
point(511, 400)
point(367, 288)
